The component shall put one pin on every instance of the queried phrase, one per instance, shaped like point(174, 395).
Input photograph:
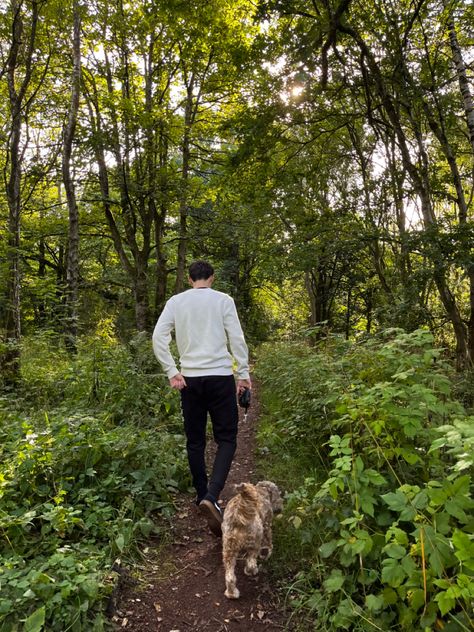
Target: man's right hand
point(177, 381)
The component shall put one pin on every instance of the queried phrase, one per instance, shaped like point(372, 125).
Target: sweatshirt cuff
point(243, 375)
point(172, 372)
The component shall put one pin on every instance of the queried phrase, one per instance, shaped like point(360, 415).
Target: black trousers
point(216, 395)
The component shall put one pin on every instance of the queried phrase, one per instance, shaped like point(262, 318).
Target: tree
point(19, 71)
point(72, 274)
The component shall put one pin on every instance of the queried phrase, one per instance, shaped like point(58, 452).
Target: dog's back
point(242, 508)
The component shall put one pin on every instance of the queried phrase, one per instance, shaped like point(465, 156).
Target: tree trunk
point(17, 95)
point(72, 274)
point(141, 298)
point(348, 313)
point(183, 205)
point(161, 268)
point(374, 243)
point(317, 288)
point(463, 80)
point(468, 103)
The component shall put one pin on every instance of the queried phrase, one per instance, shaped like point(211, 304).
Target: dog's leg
point(267, 542)
point(251, 566)
point(229, 559)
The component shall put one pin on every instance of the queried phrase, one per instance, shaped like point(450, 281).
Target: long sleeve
point(162, 338)
point(236, 339)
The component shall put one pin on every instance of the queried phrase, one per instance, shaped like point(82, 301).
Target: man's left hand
point(177, 381)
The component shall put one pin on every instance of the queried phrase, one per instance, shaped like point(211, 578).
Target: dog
point(247, 526)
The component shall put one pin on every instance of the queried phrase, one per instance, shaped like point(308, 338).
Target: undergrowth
point(91, 453)
point(376, 456)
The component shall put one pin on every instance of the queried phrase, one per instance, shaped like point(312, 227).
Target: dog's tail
point(248, 502)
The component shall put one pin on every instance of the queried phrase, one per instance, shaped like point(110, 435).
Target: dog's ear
point(246, 489)
point(273, 493)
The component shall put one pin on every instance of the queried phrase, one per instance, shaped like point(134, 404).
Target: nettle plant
point(83, 484)
point(395, 507)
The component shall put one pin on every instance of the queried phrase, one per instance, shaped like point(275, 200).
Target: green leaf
point(465, 548)
point(397, 501)
point(445, 602)
point(374, 602)
point(395, 551)
point(120, 542)
point(296, 520)
point(334, 582)
point(35, 621)
point(393, 573)
point(327, 548)
point(454, 508)
point(91, 588)
point(421, 500)
point(5, 606)
point(441, 522)
point(390, 596)
point(417, 599)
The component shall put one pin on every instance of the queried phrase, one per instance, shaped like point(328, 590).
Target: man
point(203, 321)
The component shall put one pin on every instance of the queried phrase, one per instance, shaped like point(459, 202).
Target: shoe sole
point(214, 519)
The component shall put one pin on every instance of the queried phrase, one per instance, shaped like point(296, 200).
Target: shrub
point(385, 512)
point(80, 489)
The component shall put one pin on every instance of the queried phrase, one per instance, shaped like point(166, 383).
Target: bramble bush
point(381, 506)
point(91, 455)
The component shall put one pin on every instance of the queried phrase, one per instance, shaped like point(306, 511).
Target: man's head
point(200, 270)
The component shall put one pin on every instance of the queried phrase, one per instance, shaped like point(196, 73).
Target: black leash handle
point(244, 399)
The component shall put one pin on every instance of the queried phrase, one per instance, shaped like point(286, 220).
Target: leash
point(244, 400)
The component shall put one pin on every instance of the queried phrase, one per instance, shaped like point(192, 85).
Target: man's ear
point(190, 281)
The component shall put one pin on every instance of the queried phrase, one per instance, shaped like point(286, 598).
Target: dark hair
point(200, 270)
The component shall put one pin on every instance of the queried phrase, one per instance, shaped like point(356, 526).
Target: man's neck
point(200, 284)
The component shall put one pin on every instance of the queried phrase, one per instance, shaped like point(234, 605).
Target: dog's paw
point(265, 552)
point(251, 570)
point(232, 594)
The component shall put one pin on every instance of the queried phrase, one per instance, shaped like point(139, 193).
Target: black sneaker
point(213, 514)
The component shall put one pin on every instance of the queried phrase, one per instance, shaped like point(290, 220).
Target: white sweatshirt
point(203, 320)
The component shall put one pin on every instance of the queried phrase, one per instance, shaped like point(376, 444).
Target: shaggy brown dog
point(247, 526)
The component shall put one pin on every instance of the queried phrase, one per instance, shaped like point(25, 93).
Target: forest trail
point(181, 588)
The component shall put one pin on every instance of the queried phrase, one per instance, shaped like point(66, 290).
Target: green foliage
point(80, 489)
point(124, 381)
point(383, 517)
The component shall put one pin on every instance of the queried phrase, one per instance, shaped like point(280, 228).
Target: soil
point(181, 588)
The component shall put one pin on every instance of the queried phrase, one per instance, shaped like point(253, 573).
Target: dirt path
point(183, 589)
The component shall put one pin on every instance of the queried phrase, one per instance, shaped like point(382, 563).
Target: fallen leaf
point(124, 622)
point(236, 616)
point(260, 614)
point(157, 607)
